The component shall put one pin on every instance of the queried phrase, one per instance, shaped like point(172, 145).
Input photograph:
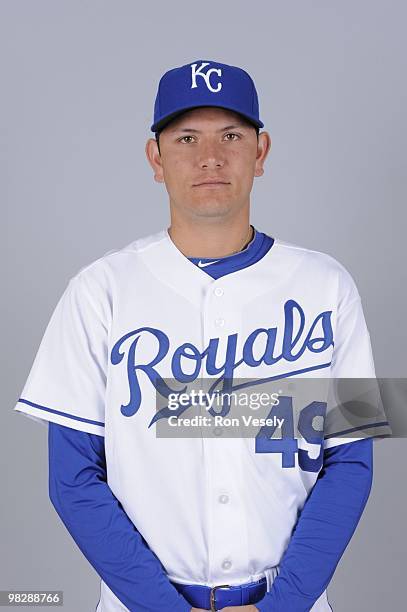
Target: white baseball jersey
point(214, 510)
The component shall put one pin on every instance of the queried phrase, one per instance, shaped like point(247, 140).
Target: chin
point(211, 208)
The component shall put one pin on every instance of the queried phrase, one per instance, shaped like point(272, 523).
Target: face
point(209, 158)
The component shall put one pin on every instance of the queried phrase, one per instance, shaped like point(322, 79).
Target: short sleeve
point(67, 380)
point(353, 359)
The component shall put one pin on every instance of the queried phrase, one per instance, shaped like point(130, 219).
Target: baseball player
point(211, 521)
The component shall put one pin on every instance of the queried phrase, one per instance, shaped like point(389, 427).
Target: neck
point(214, 239)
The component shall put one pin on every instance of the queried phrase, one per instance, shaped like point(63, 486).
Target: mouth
point(211, 184)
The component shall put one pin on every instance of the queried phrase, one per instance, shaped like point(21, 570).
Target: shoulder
point(311, 257)
point(95, 282)
point(114, 260)
point(319, 269)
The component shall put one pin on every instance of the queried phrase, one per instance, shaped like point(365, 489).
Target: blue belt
point(221, 596)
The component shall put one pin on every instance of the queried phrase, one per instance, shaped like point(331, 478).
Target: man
point(212, 521)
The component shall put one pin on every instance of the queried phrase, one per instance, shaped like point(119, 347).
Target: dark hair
point(244, 120)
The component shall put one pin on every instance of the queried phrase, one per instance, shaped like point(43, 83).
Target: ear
point(154, 159)
point(263, 147)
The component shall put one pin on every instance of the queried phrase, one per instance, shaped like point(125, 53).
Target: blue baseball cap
point(205, 83)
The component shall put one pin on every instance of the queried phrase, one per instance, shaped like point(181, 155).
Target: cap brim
point(159, 125)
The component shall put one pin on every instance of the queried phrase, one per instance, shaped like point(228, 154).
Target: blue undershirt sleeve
point(100, 527)
point(324, 528)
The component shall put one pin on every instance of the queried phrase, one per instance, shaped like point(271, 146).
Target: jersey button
point(219, 322)
point(223, 499)
point(227, 564)
point(217, 431)
point(218, 291)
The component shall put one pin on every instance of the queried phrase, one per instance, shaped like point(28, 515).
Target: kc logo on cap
point(205, 75)
point(205, 83)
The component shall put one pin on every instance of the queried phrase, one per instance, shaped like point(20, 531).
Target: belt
point(218, 597)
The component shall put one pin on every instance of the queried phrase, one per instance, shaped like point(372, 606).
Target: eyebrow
point(228, 127)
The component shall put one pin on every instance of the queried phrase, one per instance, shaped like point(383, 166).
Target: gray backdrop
point(78, 80)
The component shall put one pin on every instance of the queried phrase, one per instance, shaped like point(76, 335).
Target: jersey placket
point(226, 520)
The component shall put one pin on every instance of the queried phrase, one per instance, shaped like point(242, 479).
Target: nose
point(211, 156)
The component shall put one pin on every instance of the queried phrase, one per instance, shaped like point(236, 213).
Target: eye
point(232, 134)
point(183, 138)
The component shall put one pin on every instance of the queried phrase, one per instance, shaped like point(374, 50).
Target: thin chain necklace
point(246, 240)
